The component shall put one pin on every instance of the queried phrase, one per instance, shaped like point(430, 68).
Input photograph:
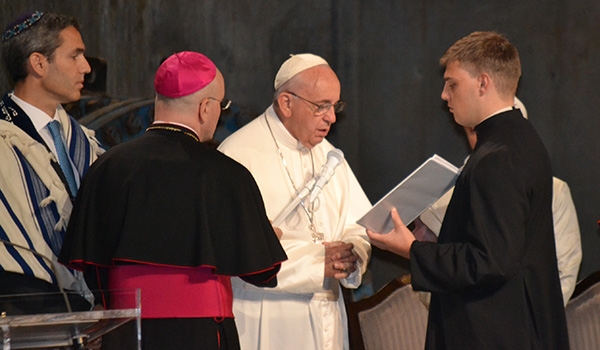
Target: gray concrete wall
point(386, 53)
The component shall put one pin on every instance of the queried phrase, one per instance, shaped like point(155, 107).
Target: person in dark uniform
point(174, 217)
point(492, 274)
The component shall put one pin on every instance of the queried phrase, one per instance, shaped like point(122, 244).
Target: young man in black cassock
point(492, 275)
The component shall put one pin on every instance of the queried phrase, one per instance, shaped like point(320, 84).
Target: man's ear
point(284, 100)
point(203, 111)
point(38, 64)
point(484, 81)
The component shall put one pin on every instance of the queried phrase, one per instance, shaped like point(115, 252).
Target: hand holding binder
point(413, 195)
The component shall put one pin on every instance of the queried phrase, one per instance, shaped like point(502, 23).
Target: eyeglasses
point(322, 108)
point(225, 103)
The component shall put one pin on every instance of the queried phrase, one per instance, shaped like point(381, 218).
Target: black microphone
point(334, 158)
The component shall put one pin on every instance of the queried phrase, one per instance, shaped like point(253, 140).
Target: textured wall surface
point(386, 53)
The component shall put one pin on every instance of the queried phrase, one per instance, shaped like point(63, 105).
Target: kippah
point(184, 73)
point(296, 64)
point(21, 24)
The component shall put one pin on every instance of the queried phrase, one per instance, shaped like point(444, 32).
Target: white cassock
point(306, 310)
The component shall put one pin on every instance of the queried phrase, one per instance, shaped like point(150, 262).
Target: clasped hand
point(340, 259)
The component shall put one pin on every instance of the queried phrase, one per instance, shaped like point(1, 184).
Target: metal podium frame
point(68, 330)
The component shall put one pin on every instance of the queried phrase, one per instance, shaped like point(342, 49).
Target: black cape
point(493, 273)
point(166, 199)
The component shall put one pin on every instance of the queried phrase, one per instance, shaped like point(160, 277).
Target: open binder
point(417, 192)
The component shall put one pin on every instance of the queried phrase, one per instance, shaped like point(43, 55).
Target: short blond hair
point(490, 53)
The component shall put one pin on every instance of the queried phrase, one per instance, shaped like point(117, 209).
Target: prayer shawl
point(34, 203)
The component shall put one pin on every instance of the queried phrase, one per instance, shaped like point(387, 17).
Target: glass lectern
point(68, 329)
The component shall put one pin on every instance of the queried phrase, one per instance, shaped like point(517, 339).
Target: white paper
point(417, 192)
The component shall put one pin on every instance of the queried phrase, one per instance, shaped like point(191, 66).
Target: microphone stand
point(60, 288)
point(294, 202)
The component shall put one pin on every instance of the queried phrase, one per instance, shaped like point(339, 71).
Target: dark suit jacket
point(493, 273)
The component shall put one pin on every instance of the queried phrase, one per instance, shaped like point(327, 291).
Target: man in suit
point(44, 154)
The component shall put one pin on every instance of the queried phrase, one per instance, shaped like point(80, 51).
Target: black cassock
point(493, 273)
point(166, 199)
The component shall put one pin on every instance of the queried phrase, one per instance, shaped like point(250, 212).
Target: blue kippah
point(21, 24)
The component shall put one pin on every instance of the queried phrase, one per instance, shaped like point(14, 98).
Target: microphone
point(52, 264)
point(294, 203)
point(334, 158)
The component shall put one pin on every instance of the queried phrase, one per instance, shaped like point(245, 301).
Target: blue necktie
point(63, 158)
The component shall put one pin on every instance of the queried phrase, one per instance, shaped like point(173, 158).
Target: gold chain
point(170, 128)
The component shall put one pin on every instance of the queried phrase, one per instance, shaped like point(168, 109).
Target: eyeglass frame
point(224, 103)
point(337, 107)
